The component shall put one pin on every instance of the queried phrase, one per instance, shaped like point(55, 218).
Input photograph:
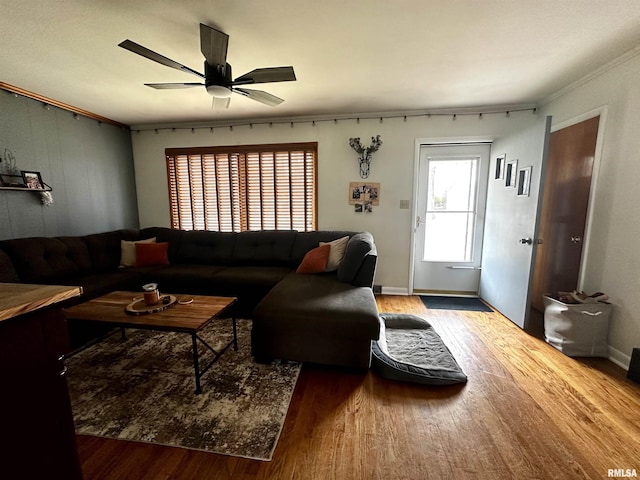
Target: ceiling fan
point(217, 72)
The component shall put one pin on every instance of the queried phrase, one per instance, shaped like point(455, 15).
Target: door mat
point(142, 389)
point(454, 303)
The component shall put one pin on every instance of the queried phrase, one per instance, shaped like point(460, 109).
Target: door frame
point(431, 142)
point(602, 112)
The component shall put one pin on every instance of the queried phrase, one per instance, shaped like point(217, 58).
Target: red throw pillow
point(315, 261)
point(150, 254)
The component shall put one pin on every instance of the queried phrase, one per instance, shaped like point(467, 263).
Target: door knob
point(576, 239)
point(526, 241)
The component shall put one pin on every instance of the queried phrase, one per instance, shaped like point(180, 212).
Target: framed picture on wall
point(500, 161)
point(362, 192)
point(524, 181)
point(510, 174)
point(32, 179)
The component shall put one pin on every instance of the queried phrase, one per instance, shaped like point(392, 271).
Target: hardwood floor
point(526, 412)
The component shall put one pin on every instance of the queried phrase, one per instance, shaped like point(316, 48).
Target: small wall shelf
point(14, 182)
point(25, 189)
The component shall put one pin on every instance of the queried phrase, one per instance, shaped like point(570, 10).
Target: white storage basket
point(577, 330)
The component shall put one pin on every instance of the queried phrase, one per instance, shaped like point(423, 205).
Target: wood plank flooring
point(527, 412)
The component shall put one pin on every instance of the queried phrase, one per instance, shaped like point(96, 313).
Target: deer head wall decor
point(364, 154)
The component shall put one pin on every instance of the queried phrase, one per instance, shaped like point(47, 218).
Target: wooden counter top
point(20, 298)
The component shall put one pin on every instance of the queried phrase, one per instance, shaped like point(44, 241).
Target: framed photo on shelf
point(8, 180)
point(32, 179)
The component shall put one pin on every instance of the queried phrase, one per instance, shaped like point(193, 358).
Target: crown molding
point(625, 57)
point(55, 103)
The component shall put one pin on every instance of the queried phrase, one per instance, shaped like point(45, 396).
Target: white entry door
point(449, 223)
point(510, 238)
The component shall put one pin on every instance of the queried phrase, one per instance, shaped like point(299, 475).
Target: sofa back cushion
point(266, 247)
point(206, 248)
point(8, 273)
point(105, 249)
point(169, 235)
point(48, 259)
point(78, 252)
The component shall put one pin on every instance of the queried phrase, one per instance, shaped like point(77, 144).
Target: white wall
point(613, 259)
point(392, 166)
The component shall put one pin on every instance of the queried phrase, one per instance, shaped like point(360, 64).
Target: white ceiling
point(350, 56)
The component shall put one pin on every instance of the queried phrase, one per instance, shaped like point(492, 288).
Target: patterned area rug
point(142, 389)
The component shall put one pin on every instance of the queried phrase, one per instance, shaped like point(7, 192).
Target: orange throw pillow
point(150, 254)
point(315, 261)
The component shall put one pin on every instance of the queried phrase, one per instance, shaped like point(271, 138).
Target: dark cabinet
point(36, 424)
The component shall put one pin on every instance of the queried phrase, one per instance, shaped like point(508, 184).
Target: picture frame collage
point(514, 177)
point(364, 196)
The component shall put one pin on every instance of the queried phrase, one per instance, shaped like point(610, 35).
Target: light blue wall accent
point(88, 164)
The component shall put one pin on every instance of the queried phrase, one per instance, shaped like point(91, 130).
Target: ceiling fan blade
point(267, 75)
point(213, 45)
point(260, 96)
point(156, 57)
point(171, 86)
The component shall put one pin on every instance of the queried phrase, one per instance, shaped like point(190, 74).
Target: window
point(451, 210)
point(237, 188)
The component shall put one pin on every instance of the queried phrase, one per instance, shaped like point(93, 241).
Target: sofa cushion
point(185, 278)
point(358, 247)
point(203, 247)
point(264, 248)
point(314, 318)
point(152, 254)
point(78, 252)
point(336, 254)
point(128, 251)
point(172, 236)
point(305, 241)
point(95, 285)
point(315, 261)
point(236, 279)
point(8, 274)
point(322, 303)
point(105, 249)
point(47, 260)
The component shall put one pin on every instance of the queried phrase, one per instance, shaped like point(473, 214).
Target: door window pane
point(449, 237)
point(452, 185)
point(451, 203)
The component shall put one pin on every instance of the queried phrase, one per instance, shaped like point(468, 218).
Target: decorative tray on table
point(138, 307)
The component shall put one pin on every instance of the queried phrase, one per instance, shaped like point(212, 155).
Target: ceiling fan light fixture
point(217, 77)
point(219, 91)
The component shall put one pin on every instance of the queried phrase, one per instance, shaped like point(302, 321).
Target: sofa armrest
point(359, 263)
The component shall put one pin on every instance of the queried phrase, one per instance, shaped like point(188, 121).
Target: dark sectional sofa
point(327, 318)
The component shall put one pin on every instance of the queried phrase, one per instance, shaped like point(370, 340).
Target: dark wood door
point(565, 200)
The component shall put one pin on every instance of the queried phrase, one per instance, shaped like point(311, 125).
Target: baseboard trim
point(395, 291)
point(619, 358)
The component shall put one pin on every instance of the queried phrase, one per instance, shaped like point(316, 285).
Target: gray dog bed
point(410, 350)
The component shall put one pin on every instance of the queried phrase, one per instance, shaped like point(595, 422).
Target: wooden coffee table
point(188, 318)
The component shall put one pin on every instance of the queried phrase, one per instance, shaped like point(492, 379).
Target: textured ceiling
point(349, 56)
